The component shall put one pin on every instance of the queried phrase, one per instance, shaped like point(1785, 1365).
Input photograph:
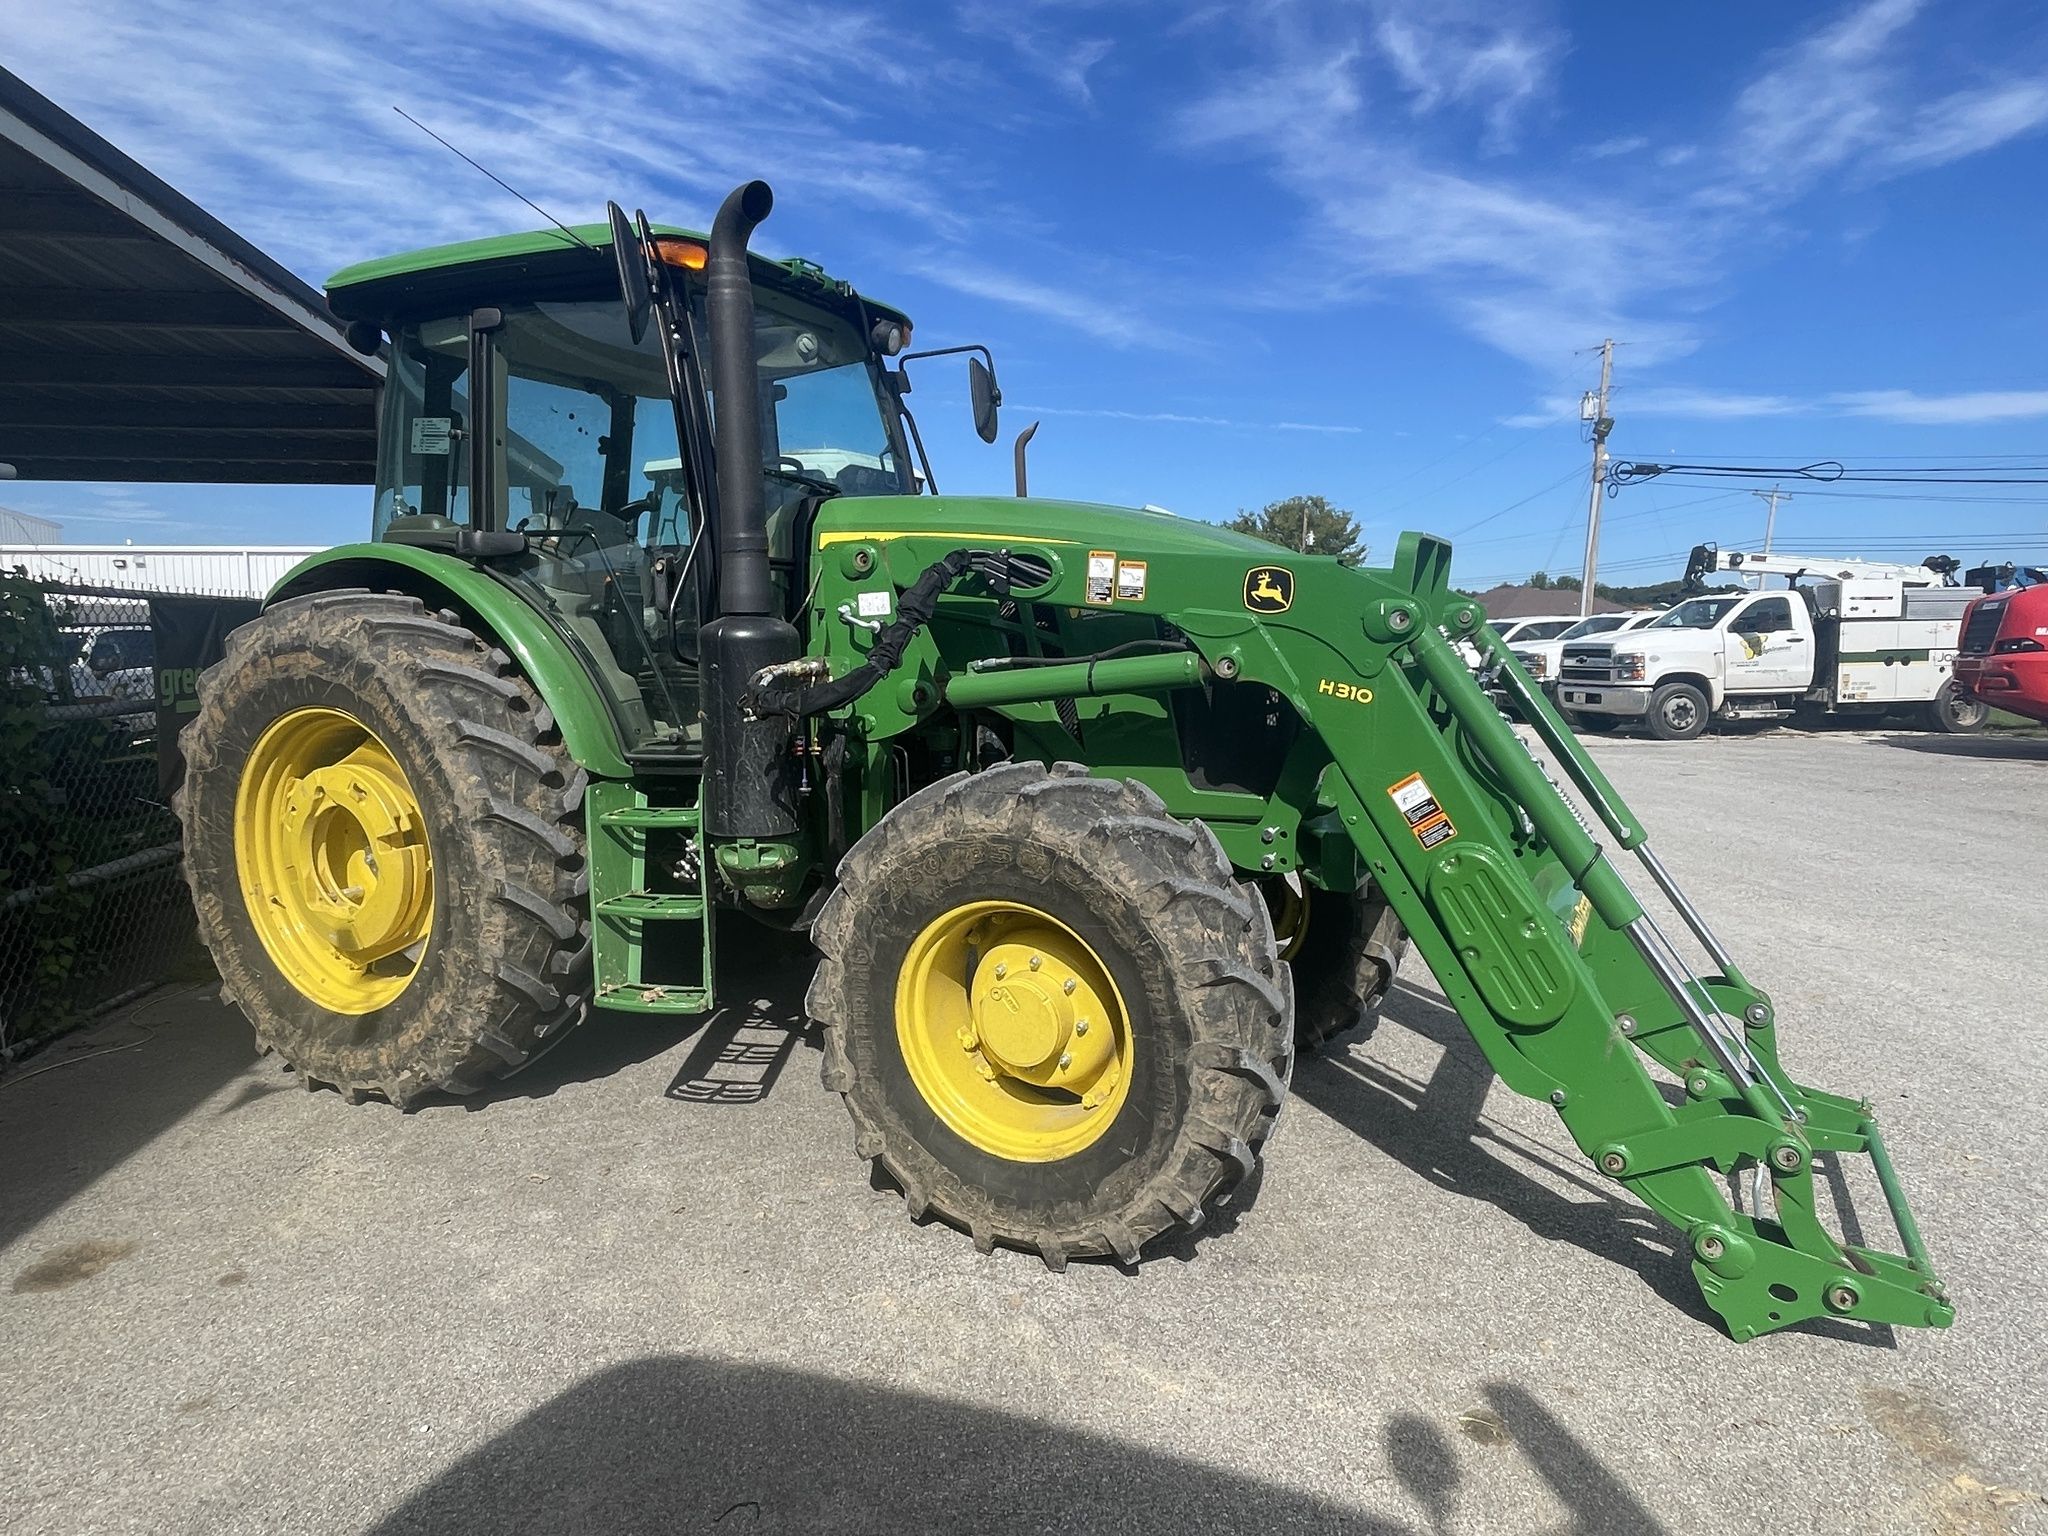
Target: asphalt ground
point(649, 1287)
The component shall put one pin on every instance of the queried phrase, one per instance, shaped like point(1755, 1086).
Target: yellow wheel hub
point(1013, 1031)
point(331, 847)
point(1289, 906)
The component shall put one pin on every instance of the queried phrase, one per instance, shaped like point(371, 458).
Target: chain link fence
point(94, 684)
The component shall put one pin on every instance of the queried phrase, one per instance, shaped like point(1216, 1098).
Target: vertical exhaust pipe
point(749, 767)
point(743, 527)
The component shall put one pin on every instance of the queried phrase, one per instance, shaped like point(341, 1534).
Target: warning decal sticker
point(1101, 576)
point(1130, 581)
point(1426, 819)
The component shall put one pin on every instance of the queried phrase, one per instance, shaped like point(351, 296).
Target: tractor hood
point(996, 521)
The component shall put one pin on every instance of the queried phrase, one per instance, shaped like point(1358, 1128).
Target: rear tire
point(502, 969)
point(1350, 948)
point(1188, 955)
point(1678, 712)
point(1954, 712)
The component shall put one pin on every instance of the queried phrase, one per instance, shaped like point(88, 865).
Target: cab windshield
point(587, 464)
point(1597, 624)
point(1696, 613)
point(827, 426)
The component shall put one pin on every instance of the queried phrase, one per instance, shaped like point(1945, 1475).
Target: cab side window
point(1771, 616)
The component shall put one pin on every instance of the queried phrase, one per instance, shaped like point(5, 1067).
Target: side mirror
point(987, 398)
point(633, 284)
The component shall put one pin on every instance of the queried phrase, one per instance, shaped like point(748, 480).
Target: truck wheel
point(1955, 713)
point(1058, 1021)
point(1678, 712)
point(1343, 950)
point(383, 839)
point(1590, 725)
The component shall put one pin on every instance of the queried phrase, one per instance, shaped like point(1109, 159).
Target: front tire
point(383, 841)
point(1678, 712)
point(974, 928)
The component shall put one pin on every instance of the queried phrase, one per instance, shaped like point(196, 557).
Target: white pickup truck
point(1846, 637)
point(1540, 654)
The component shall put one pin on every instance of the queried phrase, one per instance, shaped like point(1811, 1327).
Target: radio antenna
point(536, 207)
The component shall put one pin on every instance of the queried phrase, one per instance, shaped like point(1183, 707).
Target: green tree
point(1328, 530)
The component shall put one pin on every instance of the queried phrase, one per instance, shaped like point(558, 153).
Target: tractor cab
point(533, 424)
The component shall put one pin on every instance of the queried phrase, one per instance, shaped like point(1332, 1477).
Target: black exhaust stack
point(749, 769)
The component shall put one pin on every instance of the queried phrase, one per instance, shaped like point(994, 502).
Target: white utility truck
point(1842, 637)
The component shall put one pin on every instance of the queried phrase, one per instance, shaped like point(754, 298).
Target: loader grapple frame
point(1579, 1036)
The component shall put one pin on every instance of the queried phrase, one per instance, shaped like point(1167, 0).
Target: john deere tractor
point(1095, 816)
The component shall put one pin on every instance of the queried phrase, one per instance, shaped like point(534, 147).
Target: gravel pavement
point(649, 1288)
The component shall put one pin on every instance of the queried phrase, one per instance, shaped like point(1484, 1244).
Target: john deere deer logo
point(1268, 589)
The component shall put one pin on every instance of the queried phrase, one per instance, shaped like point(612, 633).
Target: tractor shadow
point(680, 1442)
point(1438, 1130)
point(736, 1052)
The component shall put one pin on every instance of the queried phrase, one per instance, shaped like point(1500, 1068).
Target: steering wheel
point(800, 476)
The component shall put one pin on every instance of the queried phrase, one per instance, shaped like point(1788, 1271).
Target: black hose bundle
point(913, 612)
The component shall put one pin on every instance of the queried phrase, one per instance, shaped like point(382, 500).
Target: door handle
point(1796, 640)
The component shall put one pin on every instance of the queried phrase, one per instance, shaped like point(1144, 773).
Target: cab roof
point(538, 264)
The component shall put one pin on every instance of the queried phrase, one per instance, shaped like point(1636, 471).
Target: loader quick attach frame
point(1565, 981)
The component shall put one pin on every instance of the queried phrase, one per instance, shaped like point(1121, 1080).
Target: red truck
point(2002, 656)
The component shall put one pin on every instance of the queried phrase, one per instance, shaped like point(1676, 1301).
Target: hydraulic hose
point(913, 611)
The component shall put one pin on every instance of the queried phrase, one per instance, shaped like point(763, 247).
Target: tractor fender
point(491, 608)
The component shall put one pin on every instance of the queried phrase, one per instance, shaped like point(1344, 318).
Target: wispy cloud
point(753, 87)
point(1848, 99)
point(1117, 323)
point(1909, 408)
point(1176, 418)
point(1528, 257)
point(1615, 148)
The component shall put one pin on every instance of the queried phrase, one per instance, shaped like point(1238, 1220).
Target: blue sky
point(1225, 253)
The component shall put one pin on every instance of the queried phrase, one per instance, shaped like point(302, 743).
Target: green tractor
point(1095, 816)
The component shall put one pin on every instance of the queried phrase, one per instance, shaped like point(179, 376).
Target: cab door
point(1768, 646)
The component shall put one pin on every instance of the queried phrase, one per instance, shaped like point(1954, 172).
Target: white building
point(226, 570)
point(20, 528)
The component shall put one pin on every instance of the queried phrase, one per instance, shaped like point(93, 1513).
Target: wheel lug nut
point(1002, 970)
point(1080, 1026)
point(1066, 1060)
point(1067, 986)
point(1037, 961)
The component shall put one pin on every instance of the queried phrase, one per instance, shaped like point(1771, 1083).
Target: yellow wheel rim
point(331, 849)
point(1013, 1031)
point(1288, 901)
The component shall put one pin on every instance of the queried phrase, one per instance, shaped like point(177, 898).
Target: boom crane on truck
point(1844, 637)
point(1095, 815)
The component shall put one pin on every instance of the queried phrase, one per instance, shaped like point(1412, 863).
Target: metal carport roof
point(142, 339)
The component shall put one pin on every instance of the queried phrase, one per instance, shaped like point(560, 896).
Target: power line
point(1570, 474)
point(1443, 485)
point(1988, 501)
point(1608, 521)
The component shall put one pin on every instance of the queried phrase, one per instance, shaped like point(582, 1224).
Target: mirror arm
point(899, 389)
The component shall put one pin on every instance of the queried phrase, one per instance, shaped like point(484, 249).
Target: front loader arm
point(1470, 840)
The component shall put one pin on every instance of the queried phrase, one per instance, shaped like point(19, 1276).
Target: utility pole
point(1306, 540)
point(1593, 410)
point(1773, 496)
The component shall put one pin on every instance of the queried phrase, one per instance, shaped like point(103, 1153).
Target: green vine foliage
point(41, 835)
